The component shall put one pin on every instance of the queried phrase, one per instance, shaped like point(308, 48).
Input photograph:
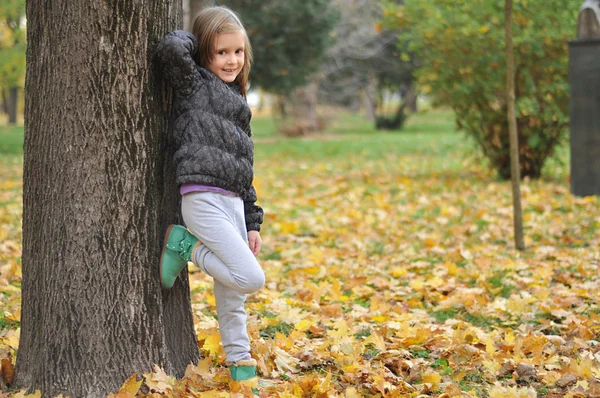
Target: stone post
point(584, 107)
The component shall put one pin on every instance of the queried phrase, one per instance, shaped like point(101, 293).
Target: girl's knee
point(253, 283)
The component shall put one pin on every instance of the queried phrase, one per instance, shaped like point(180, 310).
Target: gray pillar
point(584, 107)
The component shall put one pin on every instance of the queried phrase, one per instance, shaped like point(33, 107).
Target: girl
point(208, 71)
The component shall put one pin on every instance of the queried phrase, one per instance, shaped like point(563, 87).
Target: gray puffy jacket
point(210, 125)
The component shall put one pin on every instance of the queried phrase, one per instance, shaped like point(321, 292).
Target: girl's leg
point(232, 323)
point(218, 222)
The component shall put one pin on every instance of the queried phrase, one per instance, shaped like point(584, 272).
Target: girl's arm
point(175, 58)
point(254, 214)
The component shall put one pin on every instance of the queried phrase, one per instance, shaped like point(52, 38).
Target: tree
point(191, 8)
point(512, 128)
point(12, 54)
point(289, 40)
point(364, 58)
point(461, 48)
point(98, 195)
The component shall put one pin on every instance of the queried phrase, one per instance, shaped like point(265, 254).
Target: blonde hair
point(211, 22)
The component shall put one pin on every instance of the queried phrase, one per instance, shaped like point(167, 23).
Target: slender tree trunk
point(4, 102)
point(512, 130)
point(98, 194)
point(301, 107)
point(370, 101)
point(12, 104)
point(410, 98)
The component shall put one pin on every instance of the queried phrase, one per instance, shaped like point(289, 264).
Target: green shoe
point(244, 370)
point(177, 251)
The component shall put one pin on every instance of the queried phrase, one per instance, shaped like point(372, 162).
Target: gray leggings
point(218, 221)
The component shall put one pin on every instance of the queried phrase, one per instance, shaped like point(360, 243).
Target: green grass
point(430, 135)
point(11, 140)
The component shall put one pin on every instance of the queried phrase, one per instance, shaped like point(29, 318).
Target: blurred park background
point(382, 160)
point(377, 66)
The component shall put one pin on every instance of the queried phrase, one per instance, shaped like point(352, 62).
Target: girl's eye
point(240, 51)
point(221, 52)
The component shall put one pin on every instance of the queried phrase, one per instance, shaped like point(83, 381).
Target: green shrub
point(461, 50)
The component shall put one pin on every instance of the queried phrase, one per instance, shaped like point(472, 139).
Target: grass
point(11, 140)
point(429, 135)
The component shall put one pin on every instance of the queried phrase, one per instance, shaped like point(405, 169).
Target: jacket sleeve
point(175, 58)
point(254, 214)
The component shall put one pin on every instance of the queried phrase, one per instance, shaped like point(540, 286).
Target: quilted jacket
point(210, 125)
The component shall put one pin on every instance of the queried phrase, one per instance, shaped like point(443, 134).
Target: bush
point(461, 48)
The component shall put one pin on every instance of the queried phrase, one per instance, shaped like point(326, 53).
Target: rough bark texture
point(98, 194)
point(512, 130)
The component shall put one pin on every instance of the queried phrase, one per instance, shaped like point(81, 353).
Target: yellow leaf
point(130, 388)
point(212, 344)
point(211, 300)
point(431, 377)
point(303, 325)
point(23, 394)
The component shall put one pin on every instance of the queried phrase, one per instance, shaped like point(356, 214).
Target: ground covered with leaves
point(391, 272)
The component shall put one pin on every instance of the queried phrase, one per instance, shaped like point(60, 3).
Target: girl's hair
point(209, 23)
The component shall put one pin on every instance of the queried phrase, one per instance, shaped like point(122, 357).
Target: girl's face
point(228, 59)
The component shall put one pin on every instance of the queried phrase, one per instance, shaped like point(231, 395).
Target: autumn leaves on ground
point(391, 272)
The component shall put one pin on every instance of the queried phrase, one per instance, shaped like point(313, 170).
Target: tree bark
point(12, 104)
point(98, 194)
point(512, 130)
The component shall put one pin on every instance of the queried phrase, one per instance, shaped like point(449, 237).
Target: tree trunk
point(512, 130)
point(12, 104)
point(194, 7)
point(98, 194)
point(370, 101)
point(4, 102)
point(410, 98)
point(301, 107)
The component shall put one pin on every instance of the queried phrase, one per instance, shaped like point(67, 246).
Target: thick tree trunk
point(98, 194)
point(12, 104)
point(515, 168)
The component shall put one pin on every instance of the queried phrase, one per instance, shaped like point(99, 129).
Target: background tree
point(512, 128)
point(364, 61)
point(97, 197)
point(191, 8)
point(461, 47)
point(289, 40)
point(12, 55)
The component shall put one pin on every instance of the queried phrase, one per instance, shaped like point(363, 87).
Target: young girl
point(214, 155)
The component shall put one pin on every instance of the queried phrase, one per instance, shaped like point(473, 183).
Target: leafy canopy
point(461, 47)
point(289, 39)
point(12, 43)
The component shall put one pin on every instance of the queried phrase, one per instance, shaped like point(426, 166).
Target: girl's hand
point(254, 241)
